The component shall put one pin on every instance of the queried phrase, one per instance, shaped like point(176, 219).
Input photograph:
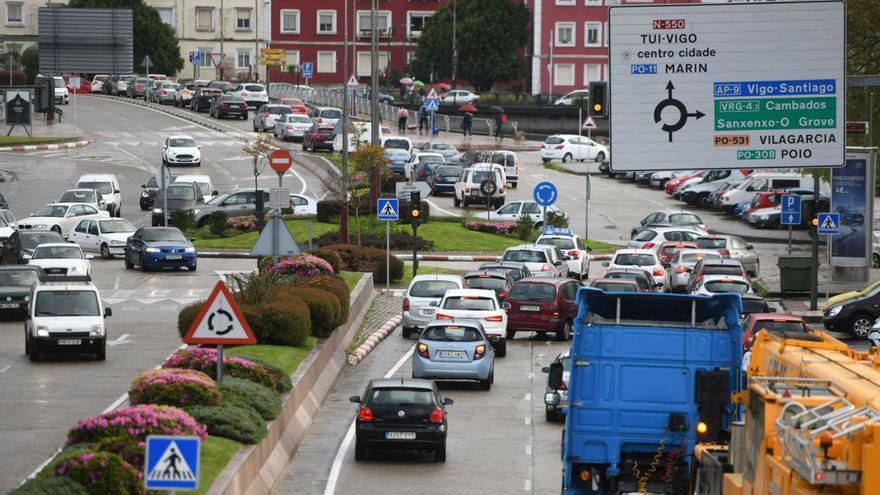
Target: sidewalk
point(472, 142)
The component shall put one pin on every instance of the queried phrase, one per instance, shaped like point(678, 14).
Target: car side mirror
point(558, 262)
point(68, 215)
point(116, 191)
point(545, 369)
point(772, 310)
point(164, 146)
point(215, 193)
point(447, 401)
point(502, 294)
point(605, 264)
point(506, 306)
point(200, 146)
point(355, 398)
point(666, 265)
point(108, 312)
point(554, 379)
point(143, 186)
point(589, 249)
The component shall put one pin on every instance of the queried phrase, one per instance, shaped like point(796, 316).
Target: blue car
point(455, 351)
point(153, 248)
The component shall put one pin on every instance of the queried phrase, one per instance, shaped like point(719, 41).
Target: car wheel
point(550, 415)
point(757, 268)
point(860, 325)
point(304, 147)
point(101, 352)
point(456, 202)
point(57, 229)
point(128, 264)
point(255, 126)
point(501, 350)
point(511, 334)
point(600, 157)
point(486, 384)
point(513, 185)
point(35, 353)
point(193, 268)
point(875, 260)
point(27, 344)
point(406, 332)
point(465, 202)
point(440, 453)
point(360, 451)
point(105, 251)
point(545, 160)
point(539, 226)
point(566, 158)
point(564, 333)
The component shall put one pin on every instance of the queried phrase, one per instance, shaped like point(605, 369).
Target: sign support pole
point(587, 197)
point(415, 226)
point(166, 179)
point(387, 255)
point(580, 128)
point(814, 268)
point(789, 238)
point(544, 215)
point(219, 364)
point(828, 269)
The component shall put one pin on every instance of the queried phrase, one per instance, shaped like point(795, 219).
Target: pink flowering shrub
point(243, 224)
point(304, 265)
point(204, 359)
point(101, 473)
point(136, 422)
point(499, 228)
point(174, 387)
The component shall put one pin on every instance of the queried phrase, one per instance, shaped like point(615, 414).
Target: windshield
point(754, 306)
point(51, 211)
point(302, 119)
point(709, 243)
point(254, 87)
point(18, 277)
point(442, 146)
point(560, 242)
point(469, 303)
point(554, 140)
point(635, 259)
point(451, 334)
point(525, 256)
point(614, 286)
point(179, 193)
point(66, 303)
point(400, 397)
point(732, 286)
point(431, 288)
point(101, 187)
point(164, 234)
point(330, 114)
point(57, 252)
point(684, 218)
point(485, 283)
point(533, 291)
point(722, 270)
point(117, 226)
point(400, 144)
point(30, 240)
point(781, 326)
point(182, 143)
point(645, 235)
point(77, 197)
point(431, 159)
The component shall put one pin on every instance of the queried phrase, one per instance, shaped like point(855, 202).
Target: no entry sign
point(280, 160)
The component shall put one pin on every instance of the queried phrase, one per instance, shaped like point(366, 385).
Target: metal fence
point(359, 108)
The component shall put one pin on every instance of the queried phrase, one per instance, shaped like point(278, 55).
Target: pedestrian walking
point(500, 118)
point(423, 119)
point(402, 115)
point(466, 123)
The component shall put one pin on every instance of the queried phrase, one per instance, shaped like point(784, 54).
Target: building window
point(204, 18)
point(593, 3)
point(205, 60)
point(363, 63)
point(605, 33)
point(415, 23)
point(566, 2)
point(563, 74)
point(383, 21)
point(592, 33)
point(14, 14)
point(243, 19)
point(564, 34)
point(290, 21)
point(326, 22)
point(327, 62)
point(242, 58)
point(592, 72)
point(292, 57)
point(166, 14)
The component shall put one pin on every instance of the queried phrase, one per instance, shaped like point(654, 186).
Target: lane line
point(149, 168)
point(528, 420)
point(528, 449)
point(156, 111)
point(528, 396)
point(527, 486)
point(300, 177)
point(450, 213)
point(116, 283)
point(330, 488)
point(5, 368)
point(119, 340)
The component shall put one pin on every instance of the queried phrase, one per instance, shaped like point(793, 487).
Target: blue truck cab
point(651, 375)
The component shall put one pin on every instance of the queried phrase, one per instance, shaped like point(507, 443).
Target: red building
point(313, 31)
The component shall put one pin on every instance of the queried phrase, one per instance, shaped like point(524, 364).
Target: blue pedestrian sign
point(829, 224)
point(308, 70)
point(172, 463)
point(387, 209)
point(432, 105)
point(545, 194)
point(791, 210)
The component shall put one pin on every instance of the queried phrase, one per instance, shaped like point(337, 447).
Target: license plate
point(528, 307)
point(400, 435)
point(174, 257)
point(428, 312)
point(8, 305)
point(452, 354)
point(69, 341)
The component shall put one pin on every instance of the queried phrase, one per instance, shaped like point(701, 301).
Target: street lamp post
point(343, 217)
point(374, 74)
point(454, 45)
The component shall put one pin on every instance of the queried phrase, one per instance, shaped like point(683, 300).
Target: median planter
point(174, 387)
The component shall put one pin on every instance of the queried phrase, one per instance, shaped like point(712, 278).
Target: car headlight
point(40, 227)
point(157, 211)
point(42, 331)
point(190, 249)
point(196, 211)
point(145, 194)
point(172, 153)
point(27, 298)
point(835, 310)
point(763, 217)
point(152, 250)
point(96, 331)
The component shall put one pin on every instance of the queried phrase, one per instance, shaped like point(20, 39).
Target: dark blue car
point(153, 248)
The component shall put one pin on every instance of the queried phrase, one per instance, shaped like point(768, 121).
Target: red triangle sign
point(220, 321)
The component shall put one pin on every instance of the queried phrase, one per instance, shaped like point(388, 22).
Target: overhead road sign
point(405, 189)
point(387, 209)
point(171, 463)
point(790, 213)
point(545, 193)
point(723, 86)
point(220, 321)
point(829, 224)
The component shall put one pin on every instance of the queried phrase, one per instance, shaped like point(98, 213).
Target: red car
point(296, 105)
point(318, 138)
point(85, 85)
point(773, 323)
point(540, 304)
point(668, 249)
point(672, 184)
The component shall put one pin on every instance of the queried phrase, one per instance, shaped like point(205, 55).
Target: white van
point(765, 181)
point(108, 186)
point(359, 133)
point(203, 182)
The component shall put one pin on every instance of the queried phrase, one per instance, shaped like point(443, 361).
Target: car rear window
point(279, 110)
point(754, 306)
point(18, 278)
point(710, 243)
point(554, 140)
point(491, 283)
point(30, 241)
point(400, 396)
point(469, 303)
point(525, 256)
point(330, 114)
point(780, 326)
point(533, 291)
point(401, 144)
point(634, 259)
point(680, 218)
point(645, 235)
point(560, 242)
point(254, 87)
point(614, 286)
point(451, 334)
point(722, 270)
point(640, 280)
point(695, 257)
point(449, 171)
point(431, 288)
point(722, 286)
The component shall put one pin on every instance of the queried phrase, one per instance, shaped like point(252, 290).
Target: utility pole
point(222, 35)
point(343, 215)
point(374, 74)
point(257, 41)
point(454, 46)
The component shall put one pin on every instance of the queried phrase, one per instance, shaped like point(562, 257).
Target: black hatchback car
point(401, 414)
point(516, 269)
point(229, 106)
point(202, 99)
point(16, 284)
point(499, 281)
point(150, 189)
point(20, 245)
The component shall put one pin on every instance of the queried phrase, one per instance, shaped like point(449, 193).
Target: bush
point(329, 256)
point(256, 287)
point(237, 391)
point(235, 422)
point(302, 265)
point(281, 324)
point(136, 422)
point(132, 451)
point(183, 219)
point(205, 360)
point(406, 211)
point(332, 284)
point(400, 241)
point(217, 222)
point(174, 387)
point(53, 485)
point(187, 316)
point(101, 473)
point(555, 219)
point(330, 209)
point(324, 308)
point(506, 229)
point(524, 227)
point(367, 259)
point(242, 224)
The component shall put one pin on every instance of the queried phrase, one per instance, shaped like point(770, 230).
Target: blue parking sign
point(308, 70)
point(791, 210)
point(172, 463)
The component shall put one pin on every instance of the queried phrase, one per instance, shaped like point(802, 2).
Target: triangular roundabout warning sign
point(220, 321)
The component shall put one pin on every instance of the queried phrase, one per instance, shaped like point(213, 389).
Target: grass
point(351, 278)
point(216, 454)
point(285, 357)
point(298, 228)
point(559, 168)
point(15, 140)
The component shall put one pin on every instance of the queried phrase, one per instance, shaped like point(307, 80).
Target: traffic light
point(598, 95)
point(415, 202)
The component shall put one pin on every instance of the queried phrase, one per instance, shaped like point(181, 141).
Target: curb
point(373, 340)
point(47, 147)
point(232, 255)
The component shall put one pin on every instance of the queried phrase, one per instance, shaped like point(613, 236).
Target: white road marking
point(300, 177)
point(119, 340)
point(118, 402)
point(435, 207)
point(330, 488)
point(528, 420)
point(528, 449)
point(527, 486)
point(149, 168)
point(528, 396)
point(5, 368)
point(188, 123)
point(116, 283)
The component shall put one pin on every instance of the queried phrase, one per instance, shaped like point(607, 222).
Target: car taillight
point(442, 316)
point(658, 272)
point(560, 146)
point(563, 386)
point(575, 254)
point(648, 245)
point(423, 350)
point(365, 414)
point(388, 162)
point(554, 311)
point(163, 92)
point(479, 352)
point(724, 252)
point(437, 415)
point(290, 126)
point(467, 190)
point(496, 319)
point(681, 269)
point(546, 267)
point(266, 115)
point(406, 304)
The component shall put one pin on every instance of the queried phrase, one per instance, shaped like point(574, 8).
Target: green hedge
point(323, 306)
point(130, 449)
point(101, 473)
point(329, 256)
point(174, 387)
point(204, 359)
point(237, 391)
point(367, 259)
point(287, 324)
point(329, 210)
point(332, 284)
point(52, 485)
point(233, 421)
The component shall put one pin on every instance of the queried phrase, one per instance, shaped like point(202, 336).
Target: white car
point(639, 258)
point(266, 116)
point(570, 147)
point(292, 126)
point(303, 205)
point(84, 196)
point(411, 169)
point(254, 94)
point(721, 284)
point(98, 82)
point(511, 212)
point(106, 235)
point(653, 236)
point(61, 259)
point(326, 117)
point(6, 230)
point(571, 97)
point(61, 218)
point(108, 186)
point(542, 260)
point(467, 188)
point(202, 182)
point(181, 150)
point(577, 256)
point(458, 97)
point(421, 298)
point(62, 95)
point(476, 304)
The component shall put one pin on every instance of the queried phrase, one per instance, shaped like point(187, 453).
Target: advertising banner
point(852, 198)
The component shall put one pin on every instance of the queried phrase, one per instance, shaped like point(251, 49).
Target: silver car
point(422, 297)
point(449, 152)
point(733, 247)
point(265, 117)
point(292, 126)
point(683, 263)
point(458, 350)
point(556, 399)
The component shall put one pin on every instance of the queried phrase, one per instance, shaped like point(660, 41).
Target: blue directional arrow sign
point(829, 224)
point(308, 70)
point(387, 209)
point(172, 463)
point(545, 194)
point(791, 210)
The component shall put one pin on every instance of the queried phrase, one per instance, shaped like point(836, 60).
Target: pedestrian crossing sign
point(432, 105)
point(829, 224)
point(172, 463)
point(387, 209)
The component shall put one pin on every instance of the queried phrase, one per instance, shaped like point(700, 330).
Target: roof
point(628, 269)
point(401, 383)
point(486, 272)
point(470, 292)
point(438, 276)
point(722, 261)
point(180, 136)
point(619, 281)
point(777, 317)
point(97, 176)
point(633, 251)
point(528, 247)
point(544, 280)
point(59, 244)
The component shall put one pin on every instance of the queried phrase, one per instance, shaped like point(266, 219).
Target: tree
point(258, 150)
point(151, 36)
point(490, 35)
point(30, 62)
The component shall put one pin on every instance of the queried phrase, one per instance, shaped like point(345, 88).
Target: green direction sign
point(770, 114)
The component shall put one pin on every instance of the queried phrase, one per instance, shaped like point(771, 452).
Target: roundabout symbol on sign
point(228, 322)
point(545, 194)
point(682, 112)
